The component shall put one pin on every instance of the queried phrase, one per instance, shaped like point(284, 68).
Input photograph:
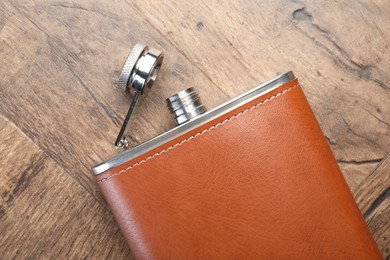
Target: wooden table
point(60, 109)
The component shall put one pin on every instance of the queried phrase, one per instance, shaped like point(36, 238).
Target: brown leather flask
point(251, 179)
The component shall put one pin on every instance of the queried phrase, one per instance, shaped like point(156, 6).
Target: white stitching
point(198, 134)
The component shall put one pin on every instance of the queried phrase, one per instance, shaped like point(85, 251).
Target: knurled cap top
point(129, 65)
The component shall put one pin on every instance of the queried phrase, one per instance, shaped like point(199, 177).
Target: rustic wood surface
point(60, 110)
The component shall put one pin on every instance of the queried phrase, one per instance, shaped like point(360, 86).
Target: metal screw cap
point(140, 69)
point(137, 76)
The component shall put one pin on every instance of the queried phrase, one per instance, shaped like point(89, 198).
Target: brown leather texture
point(259, 182)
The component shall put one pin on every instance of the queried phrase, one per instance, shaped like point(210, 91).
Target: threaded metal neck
point(185, 105)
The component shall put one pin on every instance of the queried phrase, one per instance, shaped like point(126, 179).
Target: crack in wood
point(34, 167)
point(356, 162)
point(330, 141)
point(377, 202)
point(81, 8)
point(349, 129)
point(377, 118)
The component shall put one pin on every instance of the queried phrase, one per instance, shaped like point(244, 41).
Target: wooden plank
point(373, 198)
point(44, 213)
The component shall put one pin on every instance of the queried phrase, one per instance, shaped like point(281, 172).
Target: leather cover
point(257, 182)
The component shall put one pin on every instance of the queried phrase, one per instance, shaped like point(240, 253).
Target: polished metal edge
point(190, 125)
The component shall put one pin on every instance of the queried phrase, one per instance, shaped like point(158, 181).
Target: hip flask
point(253, 178)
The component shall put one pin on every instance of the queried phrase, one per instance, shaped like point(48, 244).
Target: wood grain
point(373, 198)
point(44, 213)
point(59, 63)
